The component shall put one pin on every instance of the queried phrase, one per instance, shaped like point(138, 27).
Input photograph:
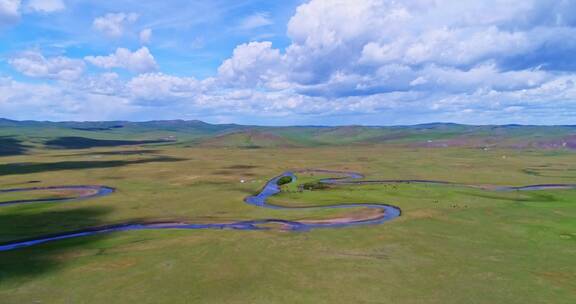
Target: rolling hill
point(18, 137)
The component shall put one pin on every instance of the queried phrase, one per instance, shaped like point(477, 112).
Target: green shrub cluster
point(284, 180)
point(314, 186)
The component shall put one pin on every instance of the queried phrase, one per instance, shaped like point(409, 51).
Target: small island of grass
point(284, 180)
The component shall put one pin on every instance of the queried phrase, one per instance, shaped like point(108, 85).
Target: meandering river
point(379, 213)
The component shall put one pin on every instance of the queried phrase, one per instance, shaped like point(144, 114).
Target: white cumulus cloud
point(34, 64)
point(254, 63)
point(366, 47)
point(46, 6)
point(153, 88)
point(114, 24)
point(139, 61)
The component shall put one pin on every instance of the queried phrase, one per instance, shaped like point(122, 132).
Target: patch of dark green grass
point(311, 186)
point(284, 180)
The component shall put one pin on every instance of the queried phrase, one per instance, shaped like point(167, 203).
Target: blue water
point(95, 191)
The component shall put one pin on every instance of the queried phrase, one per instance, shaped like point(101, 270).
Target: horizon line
point(280, 126)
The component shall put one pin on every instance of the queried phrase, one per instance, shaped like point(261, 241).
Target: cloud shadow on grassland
point(19, 265)
point(87, 143)
point(10, 146)
point(29, 168)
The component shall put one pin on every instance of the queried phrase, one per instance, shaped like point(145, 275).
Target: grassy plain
point(451, 245)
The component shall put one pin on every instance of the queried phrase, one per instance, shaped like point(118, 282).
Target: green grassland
point(451, 245)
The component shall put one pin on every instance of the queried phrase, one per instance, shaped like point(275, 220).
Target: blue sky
point(333, 62)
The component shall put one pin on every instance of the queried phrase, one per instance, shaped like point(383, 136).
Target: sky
point(290, 62)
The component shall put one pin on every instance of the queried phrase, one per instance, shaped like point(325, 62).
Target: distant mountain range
point(199, 123)
point(198, 133)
